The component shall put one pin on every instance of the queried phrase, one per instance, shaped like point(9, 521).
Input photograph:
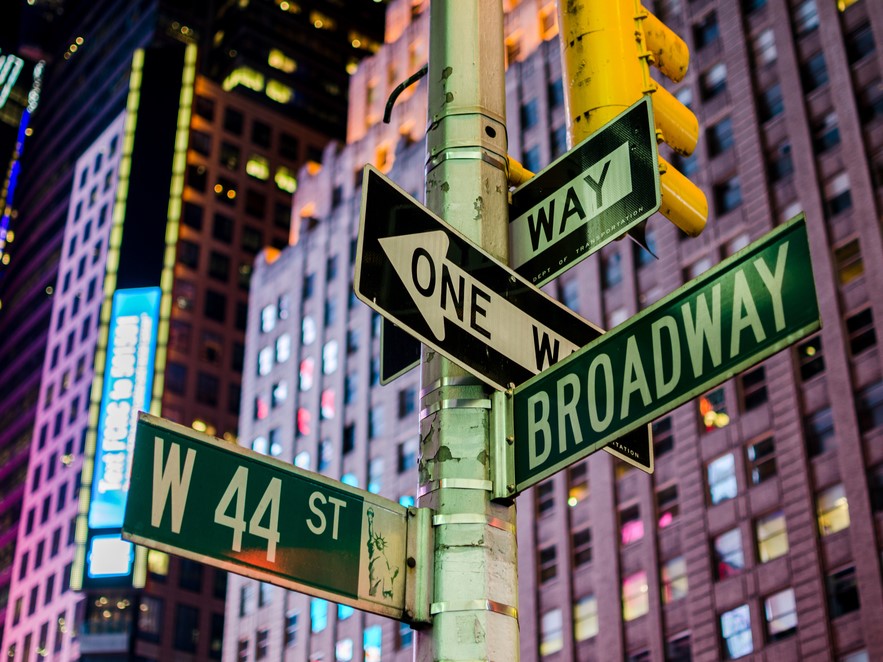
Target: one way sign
point(421, 273)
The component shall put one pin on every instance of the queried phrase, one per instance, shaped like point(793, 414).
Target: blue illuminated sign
point(110, 556)
point(128, 385)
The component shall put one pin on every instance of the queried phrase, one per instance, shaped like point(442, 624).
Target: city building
point(161, 213)
point(66, 122)
point(760, 533)
point(299, 54)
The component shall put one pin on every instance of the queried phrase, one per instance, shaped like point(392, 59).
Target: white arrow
point(441, 290)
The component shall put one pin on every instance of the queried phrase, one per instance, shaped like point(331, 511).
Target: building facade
point(83, 89)
point(759, 535)
point(178, 196)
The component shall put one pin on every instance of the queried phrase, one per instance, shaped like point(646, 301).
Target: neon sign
point(128, 385)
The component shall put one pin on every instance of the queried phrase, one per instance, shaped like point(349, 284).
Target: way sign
point(745, 309)
point(214, 502)
point(422, 274)
point(594, 193)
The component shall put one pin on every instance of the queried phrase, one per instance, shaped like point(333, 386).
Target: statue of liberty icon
point(381, 575)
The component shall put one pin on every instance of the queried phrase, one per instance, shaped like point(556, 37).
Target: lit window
point(308, 330)
point(279, 393)
point(772, 536)
point(811, 358)
point(631, 525)
point(635, 599)
point(832, 510)
point(318, 615)
point(279, 60)
point(765, 48)
point(712, 408)
point(404, 640)
point(407, 454)
point(780, 612)
point(303, 421)
point(285, 180)
point(343, 650)
point(722, 479)
point(372, 638)
point(283, 348)
point(585, 618)
point(279, 92)
point(275, 443)
point(674, 580)
point(265, 361)
point(245, 76)
point(329, 357)
point(551, 632)
point(736, 632)
point(302, 460)
point(728, 556)
point(713, 81)
point(268, 318)
point(261, 410)
point(838, 195)
point(848, 259)
point(826, 134)
point(258, 167)
point(578, 484)
point(307, 370)
point(327, 404)
point(666, 506)
point(806, 17)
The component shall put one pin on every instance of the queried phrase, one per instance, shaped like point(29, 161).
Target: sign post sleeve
point(475, 578)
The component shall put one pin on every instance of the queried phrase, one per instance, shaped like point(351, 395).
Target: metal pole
point(474, 602)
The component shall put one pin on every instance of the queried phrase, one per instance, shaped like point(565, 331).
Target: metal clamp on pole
point(502, 447)
point(419, 567)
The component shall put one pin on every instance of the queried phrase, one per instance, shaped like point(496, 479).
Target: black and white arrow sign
point(422, 274)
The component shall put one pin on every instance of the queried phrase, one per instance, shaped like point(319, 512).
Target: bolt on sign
point(747, 308)
point(214, 502)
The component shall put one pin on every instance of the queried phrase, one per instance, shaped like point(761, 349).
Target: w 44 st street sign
point(750, 306)
point(214, 502)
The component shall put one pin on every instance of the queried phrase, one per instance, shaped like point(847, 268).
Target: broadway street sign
point(214, 502)
point(592, 195)
point(421, 273)
point(750, 306)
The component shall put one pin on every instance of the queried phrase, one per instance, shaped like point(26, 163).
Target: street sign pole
point(474, 603)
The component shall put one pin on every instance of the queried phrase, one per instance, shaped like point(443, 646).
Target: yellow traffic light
point(607, 47)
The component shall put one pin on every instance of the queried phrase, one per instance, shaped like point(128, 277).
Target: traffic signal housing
point(607, 48)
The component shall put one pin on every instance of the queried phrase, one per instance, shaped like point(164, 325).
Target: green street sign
point(742, 311)
point(214, 502)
